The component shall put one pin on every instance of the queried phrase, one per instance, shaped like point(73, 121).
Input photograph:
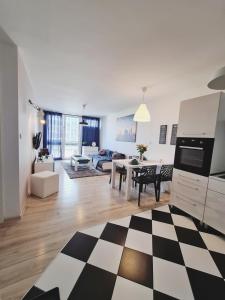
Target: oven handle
point(189, 147)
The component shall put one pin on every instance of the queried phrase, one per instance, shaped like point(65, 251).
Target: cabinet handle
point(188, 178)
point(194, 133)
point(193, 204)
point(186, 185)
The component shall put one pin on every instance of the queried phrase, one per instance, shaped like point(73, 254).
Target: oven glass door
point(194, 155)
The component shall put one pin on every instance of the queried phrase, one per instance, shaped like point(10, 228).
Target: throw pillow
point(102, 152)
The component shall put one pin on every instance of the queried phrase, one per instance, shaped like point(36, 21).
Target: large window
point(52, 133)
point(71, 136)
point(63, 135)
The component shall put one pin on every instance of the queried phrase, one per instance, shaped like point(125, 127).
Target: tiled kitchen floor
point(157, 254)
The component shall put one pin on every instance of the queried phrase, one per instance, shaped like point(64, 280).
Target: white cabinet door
point(215, 210)
point(189, 192)
point(217, 185)
point(188, 205)
point(198, 116)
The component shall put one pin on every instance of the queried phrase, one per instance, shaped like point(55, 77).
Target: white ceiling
point(101, 52)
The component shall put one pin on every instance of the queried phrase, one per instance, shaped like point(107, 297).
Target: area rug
point(81, 173)
point(156, 254)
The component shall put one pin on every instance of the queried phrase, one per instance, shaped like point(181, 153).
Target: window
point(52, 133)
point(71, 137)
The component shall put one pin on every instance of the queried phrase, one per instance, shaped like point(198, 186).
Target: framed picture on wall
point(126, 129)
point(162, 134)
point(173, 138)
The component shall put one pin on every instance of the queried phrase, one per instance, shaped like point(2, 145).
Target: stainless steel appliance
point(194, 155)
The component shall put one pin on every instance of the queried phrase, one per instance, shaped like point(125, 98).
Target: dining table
point(129, 167)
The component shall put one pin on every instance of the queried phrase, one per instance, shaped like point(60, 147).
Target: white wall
point(18, 123)
point(9, 129)
point(28, 126)
point(163, 112)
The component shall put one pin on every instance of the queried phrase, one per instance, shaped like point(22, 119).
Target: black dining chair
point(166, 174)
point(123, 174)
point(145, 176)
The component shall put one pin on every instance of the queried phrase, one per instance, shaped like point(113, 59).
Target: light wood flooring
point(27, 245)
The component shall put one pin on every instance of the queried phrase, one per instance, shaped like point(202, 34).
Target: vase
point(141, 157)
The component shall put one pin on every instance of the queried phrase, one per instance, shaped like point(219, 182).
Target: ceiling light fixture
point(83, 122)
point(142, 113)
point(218, 81)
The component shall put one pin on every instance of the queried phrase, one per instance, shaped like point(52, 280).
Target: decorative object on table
point(44, 164)
point(134, 162)
point(218, 81)
point(162, 135)
point(142, 113)
point(141, 150)
point(81, 173)
point(93, 144)
point(43, 152)
point(126, 129)
point(173, 138)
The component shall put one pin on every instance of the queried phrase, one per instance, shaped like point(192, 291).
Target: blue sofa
point(99, 160)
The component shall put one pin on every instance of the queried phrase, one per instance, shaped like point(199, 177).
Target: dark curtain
point(90, 133)
point(52, 133)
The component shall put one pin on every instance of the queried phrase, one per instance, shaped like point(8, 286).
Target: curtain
point(52, 133)
point(90, 133)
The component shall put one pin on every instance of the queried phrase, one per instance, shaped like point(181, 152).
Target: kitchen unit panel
point(215, 210)
point(198, 116)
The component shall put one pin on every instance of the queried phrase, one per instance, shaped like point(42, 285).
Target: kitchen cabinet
point(189, 192)
point(198, 116)
point(214, 214)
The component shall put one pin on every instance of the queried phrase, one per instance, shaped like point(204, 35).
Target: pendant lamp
point(142, 113)
point(218, 81)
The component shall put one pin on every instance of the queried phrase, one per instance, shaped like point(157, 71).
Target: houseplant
point(141, 150)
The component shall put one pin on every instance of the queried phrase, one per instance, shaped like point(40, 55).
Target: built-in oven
point(194, 155)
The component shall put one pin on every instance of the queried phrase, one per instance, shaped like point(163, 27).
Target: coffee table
point(82, 161)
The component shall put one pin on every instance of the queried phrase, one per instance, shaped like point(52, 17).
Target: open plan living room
point(112, 142)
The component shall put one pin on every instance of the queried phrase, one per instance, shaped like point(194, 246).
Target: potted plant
point(141, 150)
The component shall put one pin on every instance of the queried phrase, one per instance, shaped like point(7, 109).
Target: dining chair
point(123, 174)
point(146, 176)
point(165, 175)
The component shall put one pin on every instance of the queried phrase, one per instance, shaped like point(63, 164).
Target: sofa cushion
point(102, 152)
point(117, 155)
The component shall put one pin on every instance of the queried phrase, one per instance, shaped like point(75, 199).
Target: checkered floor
point(157, 254)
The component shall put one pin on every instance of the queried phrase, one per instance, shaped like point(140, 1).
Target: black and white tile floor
point(157, 254)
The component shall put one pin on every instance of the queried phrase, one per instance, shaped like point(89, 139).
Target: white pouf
point(44, 183)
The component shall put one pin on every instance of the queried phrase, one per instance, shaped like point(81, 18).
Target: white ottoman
point(44, 183)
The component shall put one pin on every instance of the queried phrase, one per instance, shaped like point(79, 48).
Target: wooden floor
point(27, 245)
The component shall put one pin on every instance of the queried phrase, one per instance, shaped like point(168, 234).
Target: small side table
point(47, 164)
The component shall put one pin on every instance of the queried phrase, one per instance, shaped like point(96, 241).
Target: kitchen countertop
point(217, 176)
